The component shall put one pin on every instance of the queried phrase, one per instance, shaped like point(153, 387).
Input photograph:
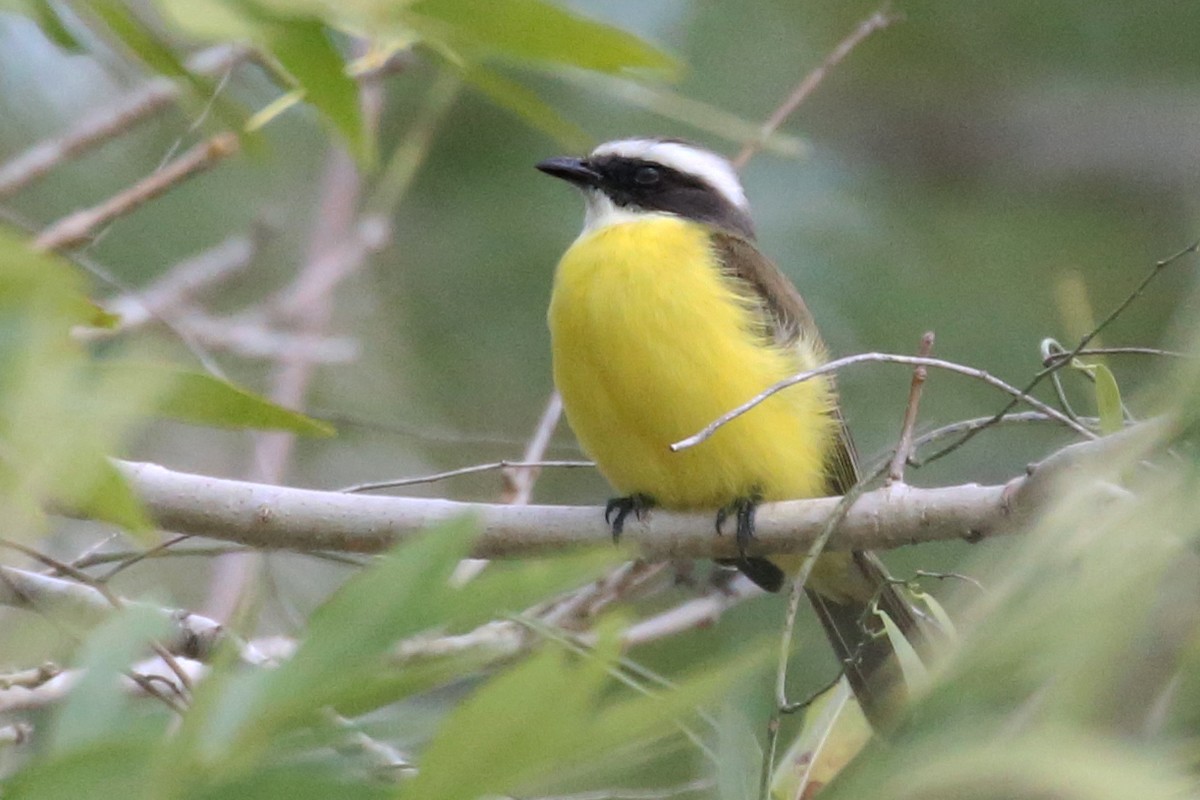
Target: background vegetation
point(996, 172)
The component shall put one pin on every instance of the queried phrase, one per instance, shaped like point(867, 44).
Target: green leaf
point(625, 720)
point(140, 40)
point(1109, 407)
point(945, 624)
point(397, 597)
point(113, 767)
point(528, 106)
point(202, 399)
point(521, 723)
point(1108, 400)
point(833, 733)
point(303, 47)
point(916, 675)
point(552, 712)
point(739, 758)
point(294, 782)
point(143, 42)
point(41, 284)
point(110, 499)
point(535, 30)
point(348, 636)
point(687, 111)
point(51, 24)
point(298, 39)
point(97, 703)
point(58, 418)
point(346, 660)
point(211, 20)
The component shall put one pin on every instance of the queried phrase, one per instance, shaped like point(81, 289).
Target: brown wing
point(843, 460)
point(788, 321)
point(849, 621)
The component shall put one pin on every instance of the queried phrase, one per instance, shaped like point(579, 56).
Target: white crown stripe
point(689, 159)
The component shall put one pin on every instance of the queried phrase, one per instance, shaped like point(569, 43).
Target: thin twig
point(107, 123)
point(471, 470)
point(1052, 359)
point(249, 336)
point(520, 481)
point(90, 560)
point(795, 597)
point(521, 477)
point(85, 605)
point(800, 705)
point(116, 602)
point(1049, 348)
point(1154, 272)
point(904, 446)
point(887, 358)
point(876, 22)
point(962, 426)
point(945, 576)
point(699, 612)
point(30, 678)
point(126, 563)
point(180, 284)
point(75, 229)
point(586, 603)
point(106, 277)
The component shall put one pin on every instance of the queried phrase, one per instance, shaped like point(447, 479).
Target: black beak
point(571, 170)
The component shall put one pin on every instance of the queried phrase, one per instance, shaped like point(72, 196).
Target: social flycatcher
point(664, 316)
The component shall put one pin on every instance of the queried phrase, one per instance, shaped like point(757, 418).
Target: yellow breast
point(651, 343)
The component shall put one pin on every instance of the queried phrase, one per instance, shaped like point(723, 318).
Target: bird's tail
point(849, 591)
point(848, 610)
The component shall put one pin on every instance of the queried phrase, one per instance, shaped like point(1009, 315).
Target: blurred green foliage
point(996, 172)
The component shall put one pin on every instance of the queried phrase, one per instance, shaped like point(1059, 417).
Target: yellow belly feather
point(651, 343)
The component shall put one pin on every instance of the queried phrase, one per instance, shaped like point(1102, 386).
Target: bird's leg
point(618, 508)
point(741, 510)
point(759, 570)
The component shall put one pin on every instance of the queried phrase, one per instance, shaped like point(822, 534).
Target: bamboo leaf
point(511, 95)
point(916, 674)
point(1108, 400)
point(202, 399)
point(535, 30)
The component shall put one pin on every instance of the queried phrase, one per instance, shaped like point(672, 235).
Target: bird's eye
point(646, 176)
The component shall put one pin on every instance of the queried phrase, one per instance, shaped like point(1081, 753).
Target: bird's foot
point(759, 570)
point(618, 508)
point(742, 510)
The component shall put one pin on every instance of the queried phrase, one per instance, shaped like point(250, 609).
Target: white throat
point(601, 212)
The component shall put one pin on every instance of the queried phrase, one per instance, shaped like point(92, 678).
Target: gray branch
point(277, 517)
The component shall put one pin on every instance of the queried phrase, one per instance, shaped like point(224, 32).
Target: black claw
point(742, 510)
point(618, 508)
point(745, 524)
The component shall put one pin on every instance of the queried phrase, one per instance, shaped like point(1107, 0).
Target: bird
point(664, 314)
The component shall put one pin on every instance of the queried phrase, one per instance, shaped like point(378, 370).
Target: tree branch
point(191, 635)
point(277, 517)
point(107, 123)
point(76, 229)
